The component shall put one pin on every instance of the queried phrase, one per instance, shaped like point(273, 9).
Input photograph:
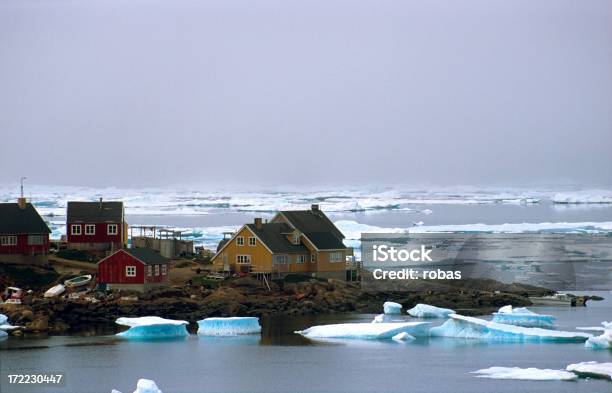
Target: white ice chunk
point(229, 326)
point(603, 341)
point(530, 374)
point(146, 386)
point(427, 311)
point(368, 331)
point(3, 319)
point(591, 369)
point(392, 308)
point(381, 318)
point(403, 336)
point(152, 328)
point(460, 326)
point(4, 325)
point(522, 316)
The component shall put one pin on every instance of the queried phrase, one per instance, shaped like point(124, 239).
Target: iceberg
point(3, 334)
point(603, 341)
point(591, 196)
point(522, 316)
point(426, 311)
point(144, 386)
point(591, 369)
point(381, 318)
point(3, 319)
point(460, 326)
point(529, 374)
point(229, 326)
point(152, 328)
point(4, 325)
point(392, 308)
point(403, 336)
point(366, 331)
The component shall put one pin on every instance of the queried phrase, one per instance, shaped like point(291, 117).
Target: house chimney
point(314, 207)
point(21, 202)
point(100, 203)
point(258, 223)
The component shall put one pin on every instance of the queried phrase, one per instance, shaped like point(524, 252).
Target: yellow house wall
point(261, 258)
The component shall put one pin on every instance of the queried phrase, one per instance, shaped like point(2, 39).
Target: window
point(280, 259)
point(8, 240)
point(313, 258)
point(36, 240)
point(157, 270)
point(335, 257)
point(240, 241)
point(149, 271)
point(296, 238)
point(164, 270)
point(90, 229)
point(130, 271)
point(243, 259)
point(75, 229)
point(301, 258)
point(111, 229)
point(252, 241)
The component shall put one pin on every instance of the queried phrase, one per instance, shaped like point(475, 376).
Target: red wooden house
point(96, 226)
point(138, 269)
point(24, 235)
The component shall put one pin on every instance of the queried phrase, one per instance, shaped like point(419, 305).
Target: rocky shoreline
point(248, 297)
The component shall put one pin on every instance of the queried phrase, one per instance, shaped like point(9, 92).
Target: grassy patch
point(74, 255)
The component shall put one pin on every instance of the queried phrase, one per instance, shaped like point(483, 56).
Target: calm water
point(280, 361)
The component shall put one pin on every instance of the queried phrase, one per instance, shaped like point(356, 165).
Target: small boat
point(78, 281)
point(558, 299)
point(55, 291)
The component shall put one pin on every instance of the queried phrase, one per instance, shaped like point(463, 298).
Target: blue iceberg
point(459, 326)
point(523, 317)
point(427, 311)
point(229, 326)
point(152, 328)
point(392, 308)
point(603, 341)
point(366, 331)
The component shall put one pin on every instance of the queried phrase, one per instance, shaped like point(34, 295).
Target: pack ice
point(603, 341)
point(591, 369)
point(144, 386)
point(152, 328)
point(392, 308)
point(366, 331)
point(427, 311)
point(232, 326)
point(460, 326)
point(530, 374)
point(522, 316)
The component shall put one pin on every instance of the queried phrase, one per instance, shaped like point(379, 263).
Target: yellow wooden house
point(303, 241)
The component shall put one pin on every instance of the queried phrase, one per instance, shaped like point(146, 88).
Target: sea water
point(281, 361)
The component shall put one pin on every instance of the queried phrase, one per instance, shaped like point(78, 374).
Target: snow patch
point(150, 328)
point(460, 326)
point(229, 326)
point(427, 311)
point(367, 331)
point(392, 308)
point(529, 374)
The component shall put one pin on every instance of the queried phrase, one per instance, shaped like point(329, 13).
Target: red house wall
point(100, 235)
point(112, 269)
point(23, 248)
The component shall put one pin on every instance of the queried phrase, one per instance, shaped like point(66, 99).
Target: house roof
point(95, 212)
point(272, 236)
point(147, 256)
point(16, 221)
point(317, 227)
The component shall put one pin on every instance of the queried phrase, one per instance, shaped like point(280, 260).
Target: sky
point(319, 92)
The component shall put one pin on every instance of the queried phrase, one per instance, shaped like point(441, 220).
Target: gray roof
point(16, 221)
point(95, 212)
point(148, 256)
point(317, 227)
point(272, 236)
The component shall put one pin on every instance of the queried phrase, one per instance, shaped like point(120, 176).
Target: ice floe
point(591, 369)
point(603, 341)
point(232, 326)
point(591, 196)
point(529, 374)
point(460, 326)
point(152, 328)
point(427, 311)
point(367, 331)
point(144, 386)
point(392, 308)
point(522, 316)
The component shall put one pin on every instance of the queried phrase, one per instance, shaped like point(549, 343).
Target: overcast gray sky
point(306, 92)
